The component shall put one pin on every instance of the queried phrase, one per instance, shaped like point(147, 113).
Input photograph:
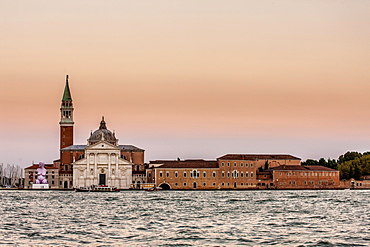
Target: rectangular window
point(251, 174)
point(204, 174)
point(246, 174)
point(241, 174)
point(228, 174)
point(228, 163)
point(214, 184)
point(241, 164)
point(223, 174)
point(184, 184)
point(176, 174)
point(214, 174)
point(167, 174)
point(222, 164)
point(246, 164)
point(160, 174)
point(251, 164)
point(234, 163)
point(184, 174)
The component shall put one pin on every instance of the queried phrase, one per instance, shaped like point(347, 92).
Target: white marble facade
point(102, 164)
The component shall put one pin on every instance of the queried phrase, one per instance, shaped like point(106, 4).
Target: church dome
point(102, 134)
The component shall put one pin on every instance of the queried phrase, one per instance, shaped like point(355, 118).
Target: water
point(186, 218)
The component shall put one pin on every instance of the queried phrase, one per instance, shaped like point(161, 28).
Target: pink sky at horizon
point(189, 79)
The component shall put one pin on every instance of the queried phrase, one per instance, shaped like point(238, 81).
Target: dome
point(102, 134)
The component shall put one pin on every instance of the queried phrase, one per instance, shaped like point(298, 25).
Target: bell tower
point(66, 118)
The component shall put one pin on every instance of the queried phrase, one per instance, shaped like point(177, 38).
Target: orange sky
point(189, 79)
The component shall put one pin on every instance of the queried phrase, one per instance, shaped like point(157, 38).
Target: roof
point(186, 163)
point(130, 148)
point(302, 168)
point(67, 93)
point(47, 166)
point(122, 147)
point(258, 157)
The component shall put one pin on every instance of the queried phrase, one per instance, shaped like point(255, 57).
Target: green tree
point(349, 156)
point(310, 162)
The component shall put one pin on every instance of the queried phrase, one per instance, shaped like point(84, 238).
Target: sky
point(188, 79)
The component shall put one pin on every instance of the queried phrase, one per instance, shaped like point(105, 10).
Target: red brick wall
point(66, 136)
point(306, 179)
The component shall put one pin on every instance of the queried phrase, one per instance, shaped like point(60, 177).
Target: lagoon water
point(186, 218)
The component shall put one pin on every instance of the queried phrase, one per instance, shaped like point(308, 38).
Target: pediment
point(102, 145)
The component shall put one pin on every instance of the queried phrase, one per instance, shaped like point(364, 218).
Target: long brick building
point(241, 171)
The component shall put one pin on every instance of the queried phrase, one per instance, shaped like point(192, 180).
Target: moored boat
point(98, 188)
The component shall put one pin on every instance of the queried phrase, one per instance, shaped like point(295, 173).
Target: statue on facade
point(41, 174)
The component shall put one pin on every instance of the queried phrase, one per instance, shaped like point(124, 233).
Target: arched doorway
point(65, 185)
point(194, 185)
point(165, 186)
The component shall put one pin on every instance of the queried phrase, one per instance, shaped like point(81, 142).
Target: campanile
point(66, 118)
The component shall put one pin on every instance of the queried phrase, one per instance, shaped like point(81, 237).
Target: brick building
point(241, 171)
point(52, 175)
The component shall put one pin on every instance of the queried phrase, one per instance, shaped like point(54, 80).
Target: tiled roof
point(130, 148)
point(320, 168)
point(75, 148)
point(122, 147)
point(47, 166)
point(302, 168)
point(258, 157)
point(186, 163)
point(289, 168)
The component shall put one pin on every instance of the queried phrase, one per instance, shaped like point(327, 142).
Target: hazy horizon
point(188, 79)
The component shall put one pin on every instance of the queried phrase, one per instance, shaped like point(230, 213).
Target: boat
point(153, 189)
point(98, 188)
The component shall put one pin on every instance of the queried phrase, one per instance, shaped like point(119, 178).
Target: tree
point(349, 156)
point(310, 162)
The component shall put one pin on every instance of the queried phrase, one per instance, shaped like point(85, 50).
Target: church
point(101, 162)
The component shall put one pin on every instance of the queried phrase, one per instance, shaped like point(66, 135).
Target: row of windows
point(52, 182)
point(312, 183)
point(214, 184)
point(309, 174)
point(52, 172)
point(236, 174)
point(196, 174)
point(30, 177)
point(192, 174)
point(236, 164)
point(194, 184)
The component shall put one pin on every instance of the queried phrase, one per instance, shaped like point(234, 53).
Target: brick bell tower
point(66, 118)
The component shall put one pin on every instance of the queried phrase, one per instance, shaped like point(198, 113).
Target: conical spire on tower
point(67, 93)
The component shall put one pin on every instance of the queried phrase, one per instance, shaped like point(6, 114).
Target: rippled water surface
point(186, 218)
